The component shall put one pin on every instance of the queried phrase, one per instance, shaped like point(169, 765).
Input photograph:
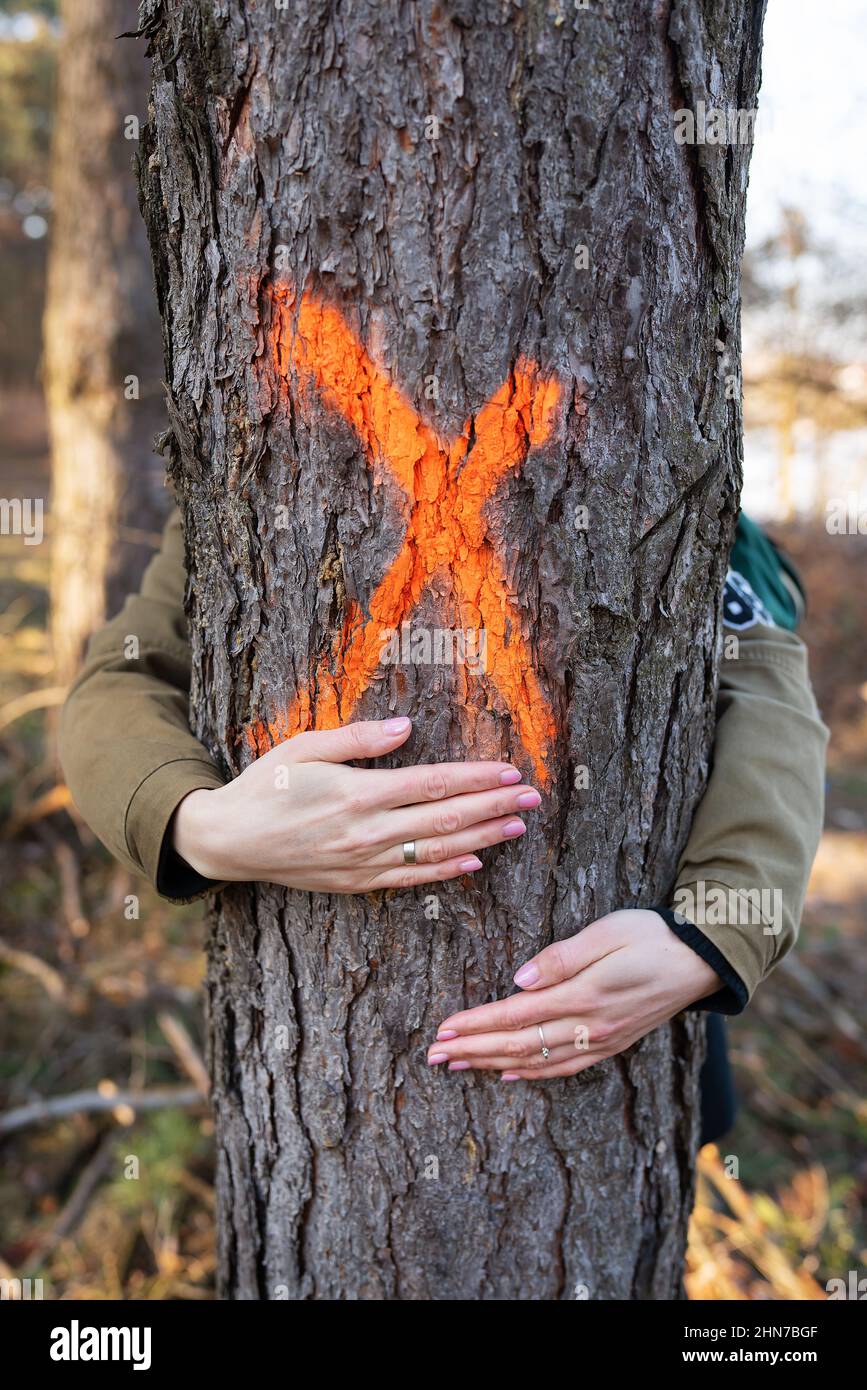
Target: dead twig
point(185, 1050)
point(13, 616)
point(46, 698)
point(50, 979)
point(93, 1173)
point(53, 800)
point(95, 1102)
point(70, 888)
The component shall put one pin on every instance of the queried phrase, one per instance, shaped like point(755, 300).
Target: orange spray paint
point(446, 487)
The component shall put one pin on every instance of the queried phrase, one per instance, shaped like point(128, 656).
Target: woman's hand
point(593, 994)
point(298, 817)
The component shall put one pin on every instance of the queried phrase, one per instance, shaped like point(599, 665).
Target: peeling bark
point(426, 172)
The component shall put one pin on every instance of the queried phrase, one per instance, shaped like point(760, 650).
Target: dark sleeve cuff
point(151, 809)
point(175, 879)
point(733, 997)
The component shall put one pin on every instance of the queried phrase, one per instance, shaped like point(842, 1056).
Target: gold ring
point(546, 1051)
point(409, 852)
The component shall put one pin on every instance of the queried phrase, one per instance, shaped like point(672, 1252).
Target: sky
point(812, 127)
point(810, 153)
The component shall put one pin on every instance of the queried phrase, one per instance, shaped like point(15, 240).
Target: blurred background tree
point(102, 340)
point(26, 96)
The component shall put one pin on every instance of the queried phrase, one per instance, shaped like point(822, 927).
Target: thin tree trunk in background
point(416, 182)
point(101, 329)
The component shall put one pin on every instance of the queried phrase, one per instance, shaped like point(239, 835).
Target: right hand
point(300, 818)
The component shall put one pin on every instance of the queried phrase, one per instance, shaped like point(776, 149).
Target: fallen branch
point(76, 1206)
point(94, 1102)
point(70, 888)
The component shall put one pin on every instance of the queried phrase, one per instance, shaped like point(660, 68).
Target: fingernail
point(459, 1066)
point(514, 827)
point(447, 1035)
point(510, 776)
point(528, 800)
point(527, 975)
point(470, 865)
point(397, 726)
point(437, 1057)
point(510, 1076)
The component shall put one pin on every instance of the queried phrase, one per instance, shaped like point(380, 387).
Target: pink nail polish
point(514, 827)
point(396, 726)
point(446, 1035)
point(529, 800)
point(469, 866)
point(437, 1057)
point(510, 777)
point(527, 975)
point(459, 1066)
point(510, 1076)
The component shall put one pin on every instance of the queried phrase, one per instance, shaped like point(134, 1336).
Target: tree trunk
point(394, 389)
point(102, 338)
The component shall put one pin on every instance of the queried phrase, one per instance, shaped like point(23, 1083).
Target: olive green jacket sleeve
point(742, 877)
point(125, 743)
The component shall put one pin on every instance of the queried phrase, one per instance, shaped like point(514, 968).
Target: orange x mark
point(447, 486)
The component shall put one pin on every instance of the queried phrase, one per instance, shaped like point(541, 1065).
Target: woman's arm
point(296, 816)
point(125, 742)
point(738, 897)
point(742, 877)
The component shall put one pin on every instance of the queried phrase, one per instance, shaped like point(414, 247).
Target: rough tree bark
point(101, 327)
point(420, 178)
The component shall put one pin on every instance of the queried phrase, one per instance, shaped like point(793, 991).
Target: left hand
point(594, 995)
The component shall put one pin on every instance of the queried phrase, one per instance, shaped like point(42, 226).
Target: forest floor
point(111, 1203)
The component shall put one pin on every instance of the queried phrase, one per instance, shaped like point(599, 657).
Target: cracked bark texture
point(101, 325)
point(290, 148)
